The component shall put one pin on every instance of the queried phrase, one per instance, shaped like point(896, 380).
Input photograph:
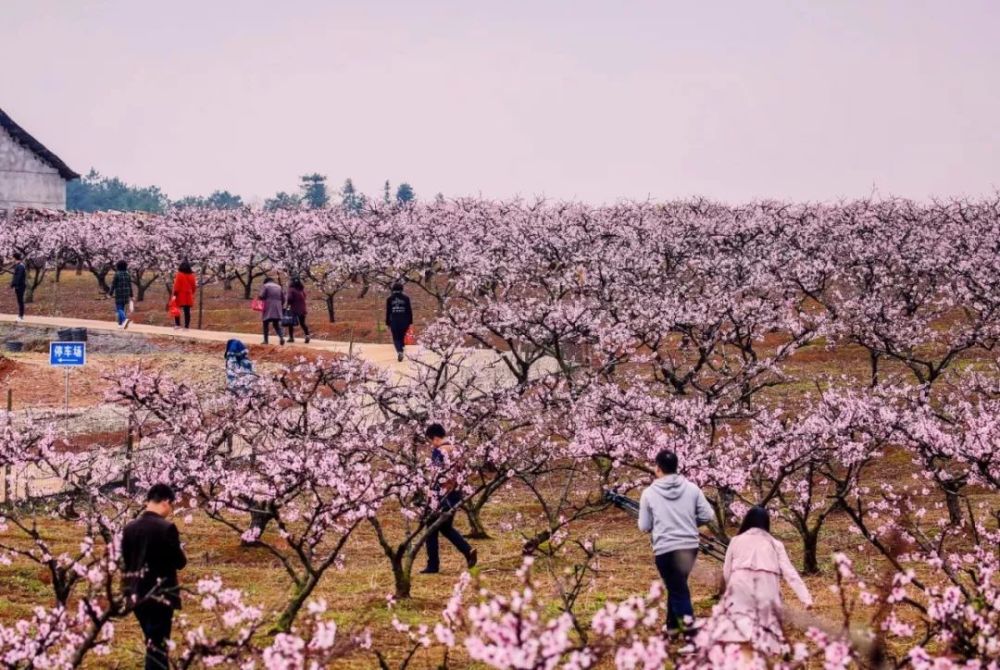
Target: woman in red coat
point(184, 288)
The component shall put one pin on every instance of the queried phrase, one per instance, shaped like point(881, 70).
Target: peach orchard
point(620, 330)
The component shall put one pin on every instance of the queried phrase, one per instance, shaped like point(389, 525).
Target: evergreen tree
point(385, 193)
point(217, 200)
point(404, 193)
point(350, 198)
point(95, 192)
point(224, 200)
point(189, 201)
point(314, 192)
point(282, 200)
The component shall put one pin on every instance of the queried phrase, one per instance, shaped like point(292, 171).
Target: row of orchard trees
point(908, 282)
point(619, 331)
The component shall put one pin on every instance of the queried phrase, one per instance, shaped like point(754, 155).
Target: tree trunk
point(140, 286)
point(873, 357)
point(810, 544)
point(227, 279)
point(287, 618)
point(477, 530)
point(726, 498)
point(102, 280)
point(35, 277)
point(248, 286)
point(60, 585)
point(954, 503)
point(721, 507)
point(330, 312)
point(201, 304)
point(402, 571)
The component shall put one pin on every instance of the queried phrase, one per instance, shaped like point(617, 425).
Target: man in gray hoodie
point(671, 509)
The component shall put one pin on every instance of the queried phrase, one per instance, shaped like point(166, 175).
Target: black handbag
point(289, 319)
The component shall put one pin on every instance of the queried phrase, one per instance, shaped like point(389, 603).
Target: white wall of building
point(27, 181)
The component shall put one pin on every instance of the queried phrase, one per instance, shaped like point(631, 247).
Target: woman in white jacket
point(756, 562)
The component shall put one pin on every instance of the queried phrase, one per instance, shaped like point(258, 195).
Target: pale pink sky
point(576, 99)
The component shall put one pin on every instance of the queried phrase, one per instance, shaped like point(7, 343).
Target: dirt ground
point(34, 384)
point(357, 595)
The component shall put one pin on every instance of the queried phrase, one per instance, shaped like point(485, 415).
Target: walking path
point(380, 354)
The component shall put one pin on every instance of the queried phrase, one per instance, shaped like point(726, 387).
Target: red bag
point(410, 338)
point(257, 305)
point(172, 307)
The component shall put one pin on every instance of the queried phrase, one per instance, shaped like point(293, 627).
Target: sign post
point(67, 355)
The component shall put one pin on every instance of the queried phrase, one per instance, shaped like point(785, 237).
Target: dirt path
point(380, 354)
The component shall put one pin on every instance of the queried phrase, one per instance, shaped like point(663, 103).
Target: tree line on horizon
point(96, 192)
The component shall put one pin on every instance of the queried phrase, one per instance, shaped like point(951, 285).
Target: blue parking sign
point(67, 354)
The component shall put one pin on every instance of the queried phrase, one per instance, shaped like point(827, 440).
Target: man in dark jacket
point(152, 555)
point(121, 291)
point(19, 283)
point(398, 317)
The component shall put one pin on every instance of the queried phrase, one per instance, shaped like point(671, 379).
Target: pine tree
point(313, 189)
point(350, 199)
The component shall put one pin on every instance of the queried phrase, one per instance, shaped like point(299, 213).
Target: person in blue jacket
point(450, 499)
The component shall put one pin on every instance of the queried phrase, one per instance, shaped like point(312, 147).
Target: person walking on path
point(121, 291)
point(671, 509)
point(185, 286)
point(19, 283)
point(152, 555)
point(274, 303)
point(450, 498)
point(756, 562)
point(297, 307)
point(398, 317)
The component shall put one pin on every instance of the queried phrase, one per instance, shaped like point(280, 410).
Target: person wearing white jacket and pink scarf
point(756, 562)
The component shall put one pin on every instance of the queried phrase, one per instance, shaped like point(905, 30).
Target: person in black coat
point(398, 317)
point(152, 555)
point(19, 283)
